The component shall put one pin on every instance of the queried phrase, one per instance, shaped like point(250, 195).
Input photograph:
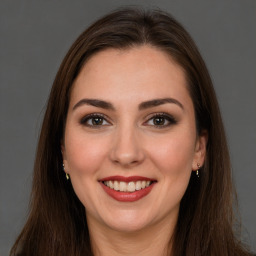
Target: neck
point(151, 241)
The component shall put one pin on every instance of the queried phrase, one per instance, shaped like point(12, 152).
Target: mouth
point(131, 186)
point(127, 189)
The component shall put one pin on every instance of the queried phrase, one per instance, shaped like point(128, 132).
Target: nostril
point(126, 159)
point(126, 148)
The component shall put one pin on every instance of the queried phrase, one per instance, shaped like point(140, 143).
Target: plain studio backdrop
point(35, 36)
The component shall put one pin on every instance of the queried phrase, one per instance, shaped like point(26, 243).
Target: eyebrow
point(144, 105)
point(94, 102)
point(158, 102)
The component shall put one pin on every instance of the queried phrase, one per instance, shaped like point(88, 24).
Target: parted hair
point(56, 222)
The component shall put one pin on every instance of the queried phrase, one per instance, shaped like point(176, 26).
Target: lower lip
point(127, 196)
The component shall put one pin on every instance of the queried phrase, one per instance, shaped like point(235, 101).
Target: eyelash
point(166, 118)
point(84, 120)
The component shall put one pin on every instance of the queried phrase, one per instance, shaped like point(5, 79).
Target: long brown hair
point(57, 221)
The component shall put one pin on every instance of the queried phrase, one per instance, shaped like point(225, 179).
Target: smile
point(127, 189)
point(131, 186)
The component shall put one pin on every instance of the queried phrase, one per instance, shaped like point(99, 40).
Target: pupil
point(97, 121)
point(159, 121)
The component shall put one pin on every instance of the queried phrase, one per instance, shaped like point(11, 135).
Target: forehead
point(137, 73)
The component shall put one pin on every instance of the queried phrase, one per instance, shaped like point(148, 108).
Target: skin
point(128, 142)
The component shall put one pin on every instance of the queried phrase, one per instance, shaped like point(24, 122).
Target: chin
point(127, 227)
point(127, 222)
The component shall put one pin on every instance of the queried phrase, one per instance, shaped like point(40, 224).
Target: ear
point(63, 152)
point(200, 150)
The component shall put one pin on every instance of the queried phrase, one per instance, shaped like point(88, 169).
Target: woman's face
point(130, 139)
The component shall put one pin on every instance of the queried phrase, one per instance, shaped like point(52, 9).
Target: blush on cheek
point(173, 151)
point(85, 159)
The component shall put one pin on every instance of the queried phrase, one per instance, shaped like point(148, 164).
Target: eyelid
point(172, 120)
point(84, 119)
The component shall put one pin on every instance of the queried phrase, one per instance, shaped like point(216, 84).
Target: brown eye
point(94, 120)
point(97, 121)
point(161, 120)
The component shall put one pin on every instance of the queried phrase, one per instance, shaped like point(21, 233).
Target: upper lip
point(126, 179)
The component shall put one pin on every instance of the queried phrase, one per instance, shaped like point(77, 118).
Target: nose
point(127, 149)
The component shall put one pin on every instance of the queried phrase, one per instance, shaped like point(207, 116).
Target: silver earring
point(67, 176)
point(197, 171)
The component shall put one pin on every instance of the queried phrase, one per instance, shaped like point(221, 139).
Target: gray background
point(34, 37)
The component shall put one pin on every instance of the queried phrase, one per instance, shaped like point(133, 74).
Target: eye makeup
point(154, 120)
point(160, 120)
point(95, 120)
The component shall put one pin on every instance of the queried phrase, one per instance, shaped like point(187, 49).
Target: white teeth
point(131, 186)
point(116, 185)
point(122, 186)
point(138, 185)
point(111, 184)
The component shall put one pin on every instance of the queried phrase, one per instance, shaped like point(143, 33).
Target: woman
point(132, 157)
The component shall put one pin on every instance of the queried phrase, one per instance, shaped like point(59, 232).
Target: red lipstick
point(126, 179)
point(127, 196)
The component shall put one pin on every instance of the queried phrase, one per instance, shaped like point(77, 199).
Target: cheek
point(84, 154)
point(174, 155)
point(174, 161)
